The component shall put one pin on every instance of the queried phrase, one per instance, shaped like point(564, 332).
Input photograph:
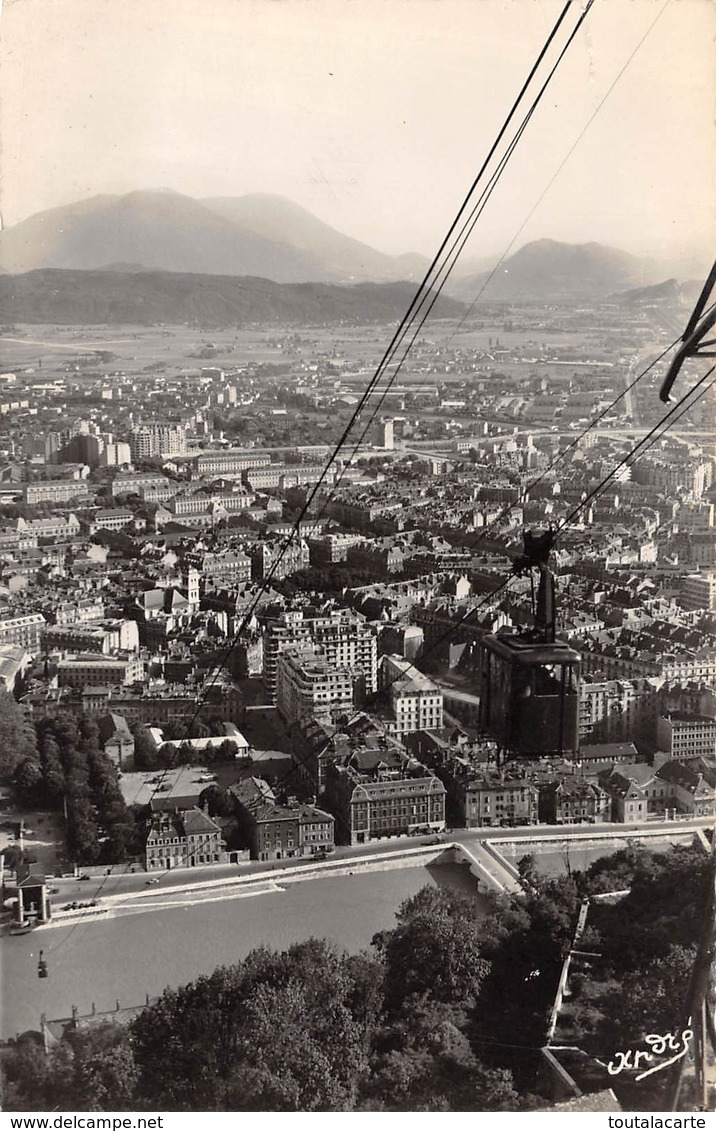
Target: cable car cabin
point(529, 695)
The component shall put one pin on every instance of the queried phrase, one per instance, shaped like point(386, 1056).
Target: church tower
point(191, 582)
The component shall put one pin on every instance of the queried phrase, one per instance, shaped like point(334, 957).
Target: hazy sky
point(374, 114)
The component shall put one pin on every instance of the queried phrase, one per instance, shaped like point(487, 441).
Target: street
point(69, 890)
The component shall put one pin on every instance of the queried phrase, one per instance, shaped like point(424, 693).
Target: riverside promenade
point(486, 853)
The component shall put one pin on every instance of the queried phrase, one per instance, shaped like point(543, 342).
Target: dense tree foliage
point(17, 737)
point(435, 948)
point(67, 768)
point(176, 750)
point(664, 908)
point(281, 1032)
point(92, 1070)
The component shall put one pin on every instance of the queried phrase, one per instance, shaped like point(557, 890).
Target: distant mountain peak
point(548, 268)
point(263, 235)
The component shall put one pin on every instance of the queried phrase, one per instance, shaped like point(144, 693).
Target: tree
point(664, 908)
point(92, 1070)
point(18, 741)
point(52, 772)
point(651, 1004)
point(27, 780)
point(527, 869)
point(14, 855)
point(218, 800)
point(435, 949)
point(227, 752)
point(279, 1032)
point(424, 1062)
point(105, 1071)
point(145, 750)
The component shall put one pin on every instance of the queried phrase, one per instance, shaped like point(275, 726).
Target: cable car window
point(548, 679)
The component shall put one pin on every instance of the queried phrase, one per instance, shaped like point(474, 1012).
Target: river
point(129, 957)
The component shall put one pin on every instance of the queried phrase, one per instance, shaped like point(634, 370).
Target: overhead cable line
point(418, 298)
point(431, 296)
point(427, 283)
point(672, 416)
point(553, 178)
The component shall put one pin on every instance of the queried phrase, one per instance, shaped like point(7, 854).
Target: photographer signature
point(658, 1046)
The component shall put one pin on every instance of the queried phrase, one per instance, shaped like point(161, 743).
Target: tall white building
point(307, 685)
point(699, 591)
point(153, 440)
point(341, 637)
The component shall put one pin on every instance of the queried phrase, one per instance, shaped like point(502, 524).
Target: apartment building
point(184, 839)
point(139, 483)
point(278, 559)
point(416, 703)
point(493, 799)
point(55, 491)
point(698, 591)
point(384, 801)
point(279, 475)
point(342, 638)
point(617, 710)
point(103, 639)
point(222, 570)
point(228, 463)
point(157, 440)
point(26, 631)
point(53, 529)
point(230, 501)
point(683, 736)
point(97, 671)
point(113, 519)
point(76, 612)
point(307, 685)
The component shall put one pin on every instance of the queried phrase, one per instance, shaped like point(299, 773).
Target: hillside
point(547, 269)
point(669, 293)
point(162, 230)
point(333, 254)
point(147, 298)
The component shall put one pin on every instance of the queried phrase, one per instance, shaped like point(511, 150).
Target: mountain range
point(161, 230)
point(271, 237)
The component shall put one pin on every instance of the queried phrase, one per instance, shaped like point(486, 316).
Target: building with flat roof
point(99, 671)
point(683, 736)
point(698, 591)
point(307, 684)
point(341, 637)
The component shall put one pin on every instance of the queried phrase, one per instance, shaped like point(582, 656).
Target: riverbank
point(94, 962)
